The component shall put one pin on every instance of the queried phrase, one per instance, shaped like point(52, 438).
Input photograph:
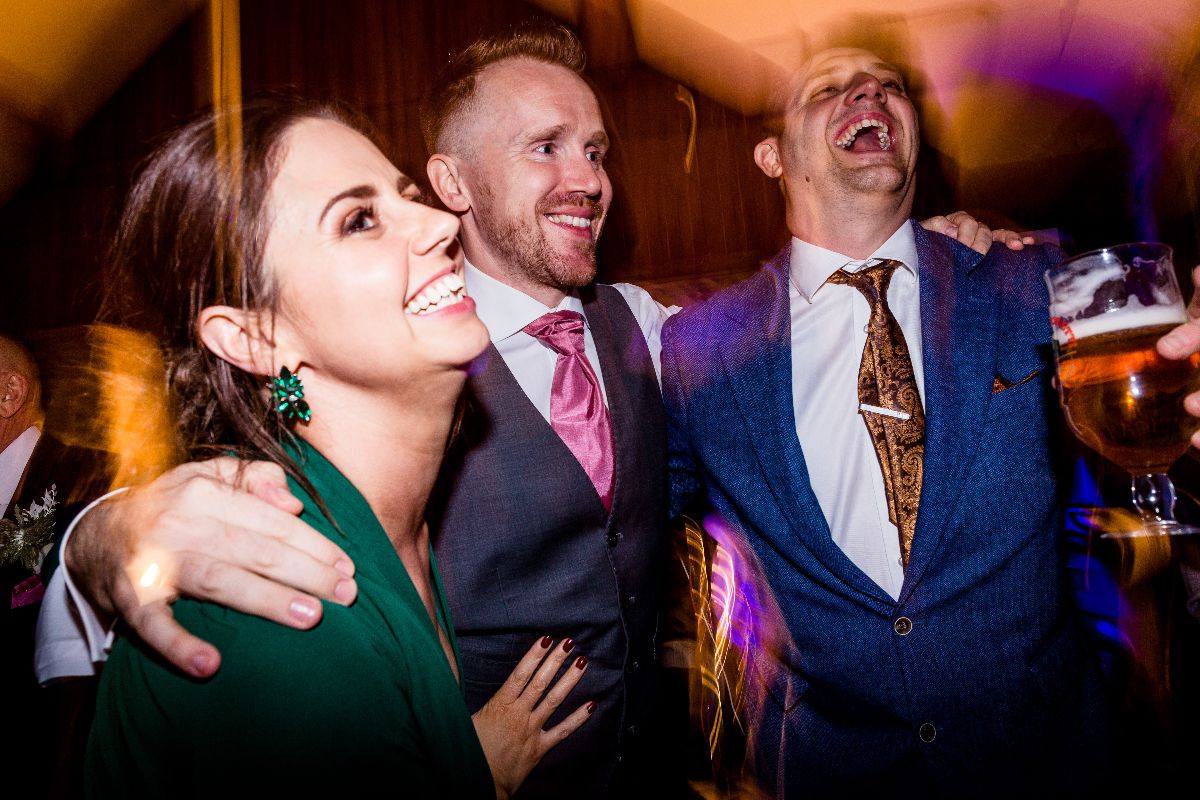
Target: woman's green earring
point(288, 392)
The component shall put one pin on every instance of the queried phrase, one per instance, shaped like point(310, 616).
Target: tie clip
point(887, 412)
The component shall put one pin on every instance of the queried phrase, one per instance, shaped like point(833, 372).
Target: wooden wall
point(680, 231)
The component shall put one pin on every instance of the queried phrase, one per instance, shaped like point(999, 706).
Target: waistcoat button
point(927, 733)
point(902, 626)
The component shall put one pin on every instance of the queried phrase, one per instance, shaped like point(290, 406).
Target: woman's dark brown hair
point(192, 235)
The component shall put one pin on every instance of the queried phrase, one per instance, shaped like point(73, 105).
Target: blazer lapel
point(757, 359)
point(958, 323)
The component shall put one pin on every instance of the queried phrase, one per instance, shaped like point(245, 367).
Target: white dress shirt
point(13, 460)
point(71, 639)
point(828, 335)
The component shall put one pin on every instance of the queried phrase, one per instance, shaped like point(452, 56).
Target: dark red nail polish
point(581, 662)
point(591, 706)
point(568, 645)
point(545, 642)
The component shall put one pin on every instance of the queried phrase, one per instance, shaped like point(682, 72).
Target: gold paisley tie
point(886, 382)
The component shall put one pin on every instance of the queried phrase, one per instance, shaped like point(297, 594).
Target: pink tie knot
point(562, 331)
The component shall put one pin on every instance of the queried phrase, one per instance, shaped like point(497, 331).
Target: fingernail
point(545, 642)
point(344, 566)
point(201, 664)
point(568, 645)
point(344, 591)
point(581, 662)
point(591, 706)
point(302, 611)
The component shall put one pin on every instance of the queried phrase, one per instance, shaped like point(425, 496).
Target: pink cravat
point(577, 411)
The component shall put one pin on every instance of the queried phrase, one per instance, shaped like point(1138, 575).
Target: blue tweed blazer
point(985, 685)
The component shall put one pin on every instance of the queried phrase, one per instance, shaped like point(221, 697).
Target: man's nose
point(582, 174)
point(865, 86)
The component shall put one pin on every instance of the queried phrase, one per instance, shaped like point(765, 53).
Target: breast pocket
point(1020, 388)
point(1015, 437)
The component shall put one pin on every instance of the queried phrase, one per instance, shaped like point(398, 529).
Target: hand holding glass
point(1109, 308)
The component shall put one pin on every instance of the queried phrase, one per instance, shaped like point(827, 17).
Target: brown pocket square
point(1000, 383)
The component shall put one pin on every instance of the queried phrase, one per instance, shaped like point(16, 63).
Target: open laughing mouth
point(851, 136)
point(440, 292)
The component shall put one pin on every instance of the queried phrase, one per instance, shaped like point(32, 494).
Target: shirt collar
point(12, 463)
point(811, 265)
point(505, 310)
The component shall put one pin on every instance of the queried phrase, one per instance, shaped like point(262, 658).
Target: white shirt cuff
point(71, 641)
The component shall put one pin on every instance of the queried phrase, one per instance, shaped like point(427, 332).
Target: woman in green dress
point(312, 313)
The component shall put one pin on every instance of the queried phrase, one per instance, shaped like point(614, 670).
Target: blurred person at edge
point(959, 669)
point(43, 484)
point(330, 252)
point(519, 145)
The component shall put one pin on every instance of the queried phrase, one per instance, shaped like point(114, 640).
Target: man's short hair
point(455, 84)
point(885, 35)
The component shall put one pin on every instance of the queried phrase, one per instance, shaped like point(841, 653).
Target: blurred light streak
point(684, 95)
point(739, 634)
point(150, 576)
point(104, 388)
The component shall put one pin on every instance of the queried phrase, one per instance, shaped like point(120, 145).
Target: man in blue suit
point(949, 661)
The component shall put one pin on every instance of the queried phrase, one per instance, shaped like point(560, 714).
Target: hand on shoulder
point(217, 530)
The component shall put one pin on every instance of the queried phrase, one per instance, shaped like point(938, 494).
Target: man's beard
point(524, 248)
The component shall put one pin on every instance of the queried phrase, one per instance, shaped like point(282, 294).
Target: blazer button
point(613, 538)
point(902, 626)
point(927, 733)
point(631, 600)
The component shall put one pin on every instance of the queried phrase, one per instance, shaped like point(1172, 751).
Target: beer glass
point(1108, 308)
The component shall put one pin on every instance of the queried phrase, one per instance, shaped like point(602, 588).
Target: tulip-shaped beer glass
point(1108, 308)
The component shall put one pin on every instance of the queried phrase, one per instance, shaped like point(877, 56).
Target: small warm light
point(150, 576)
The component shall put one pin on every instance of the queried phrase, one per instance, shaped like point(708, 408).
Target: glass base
point(1160, 528)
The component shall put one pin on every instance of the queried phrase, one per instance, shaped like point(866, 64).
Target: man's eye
point(824, 91)
point(895, 86)
point(596, 156)
point(362, 219)
point(547, 148)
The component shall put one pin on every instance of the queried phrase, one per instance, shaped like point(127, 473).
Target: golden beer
point(1125, 400)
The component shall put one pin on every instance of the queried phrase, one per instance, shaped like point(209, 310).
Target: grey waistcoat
point(525, 548)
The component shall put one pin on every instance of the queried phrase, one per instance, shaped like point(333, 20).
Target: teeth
point(847, 138)
point(445, 291)
point(575, 222)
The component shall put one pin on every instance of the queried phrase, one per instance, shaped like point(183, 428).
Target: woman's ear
point(446, 180)
point(239, 337)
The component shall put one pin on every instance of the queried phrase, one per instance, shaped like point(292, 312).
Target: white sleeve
point(650, 315)
point(71, 641)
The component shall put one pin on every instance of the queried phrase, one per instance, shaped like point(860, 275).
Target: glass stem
point(1154, 497)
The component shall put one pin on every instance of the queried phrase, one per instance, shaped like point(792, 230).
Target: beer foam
point(1072, 292)
point(1132, 316)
